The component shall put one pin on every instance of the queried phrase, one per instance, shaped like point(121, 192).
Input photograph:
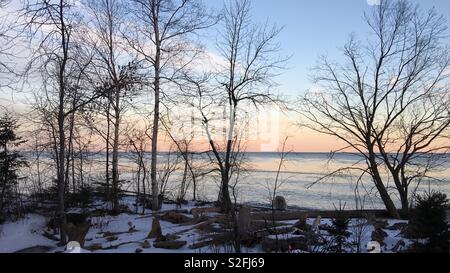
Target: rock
point(146, 244)
point(138, 250)
point(175, 218)
point(244, 221)
point(170, 244)
point(284, 244)
point(156, 229)
point(279, 203)
point(131, 228)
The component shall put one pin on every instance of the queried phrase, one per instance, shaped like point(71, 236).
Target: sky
point(311, 28)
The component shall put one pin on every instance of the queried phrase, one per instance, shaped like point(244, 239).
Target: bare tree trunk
point(225, 199)
point(70, 153)
point(115, 160)
point(387, 200)
point(61, 119)
point(108, 133)
point(5, 179)
point(156, 114)
point(61, 181)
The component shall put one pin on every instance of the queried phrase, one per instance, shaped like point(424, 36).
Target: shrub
point(10, 162)
point(429, 221)
point(339, 232)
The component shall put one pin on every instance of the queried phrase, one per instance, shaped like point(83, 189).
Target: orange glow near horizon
point(299, 140)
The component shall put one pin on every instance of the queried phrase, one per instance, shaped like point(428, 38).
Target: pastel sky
point(311, 28)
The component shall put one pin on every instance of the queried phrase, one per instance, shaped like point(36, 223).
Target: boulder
point(131, 227)
point(279, 203)
point(146, 244)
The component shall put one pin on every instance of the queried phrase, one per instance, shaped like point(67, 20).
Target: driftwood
point(197, 212)
point(175, 218)
point(271, 244)
point(115, 246)
point(159, 213)
point(295, 215)
point(274, 231)
point(35, 249)
point(110, 234)
point(215, 239)
point(201, 244)
point(170, 244)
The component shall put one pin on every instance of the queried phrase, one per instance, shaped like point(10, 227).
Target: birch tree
point(163, 35)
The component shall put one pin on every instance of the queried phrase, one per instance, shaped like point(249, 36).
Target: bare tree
point(62, 62)
point(184, 144)
point(117, 74)
point(251, 61)
point(138, 143)
point(389, 101)
point(163, 38)
point(7, 43)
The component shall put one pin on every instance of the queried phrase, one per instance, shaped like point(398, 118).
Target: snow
point(24, 233)
point(131, 230)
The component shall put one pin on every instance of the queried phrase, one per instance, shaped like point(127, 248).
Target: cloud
point(374, 2)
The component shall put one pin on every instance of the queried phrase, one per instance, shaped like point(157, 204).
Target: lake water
point(297, 175)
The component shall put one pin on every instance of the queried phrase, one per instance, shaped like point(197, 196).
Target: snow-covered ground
point(25, 233)
point(127, 233)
